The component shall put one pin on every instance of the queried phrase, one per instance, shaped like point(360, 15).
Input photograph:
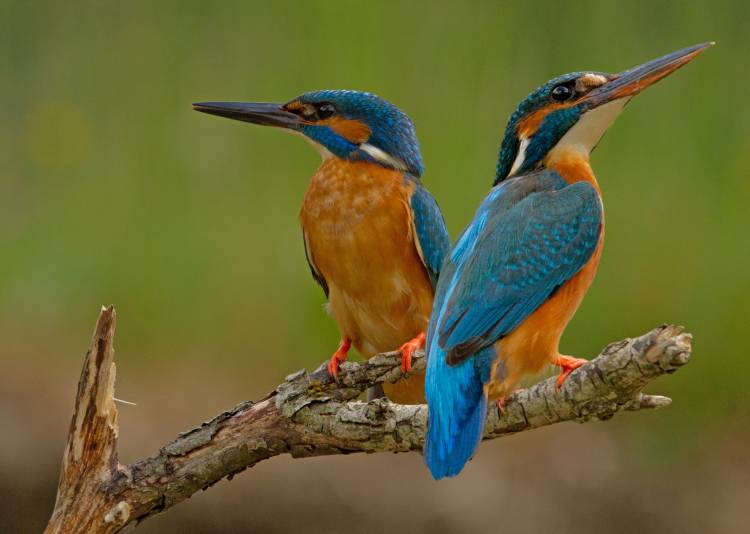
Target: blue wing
point(523, 251)
point(431, 235)
point(529, 236)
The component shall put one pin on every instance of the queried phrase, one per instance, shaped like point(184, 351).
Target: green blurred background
point(113, 191)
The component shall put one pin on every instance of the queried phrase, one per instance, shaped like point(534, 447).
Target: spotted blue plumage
point(391, 130)
point(530, 235)
point(431, 234)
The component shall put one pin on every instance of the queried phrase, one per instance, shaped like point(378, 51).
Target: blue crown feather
point(392, 131)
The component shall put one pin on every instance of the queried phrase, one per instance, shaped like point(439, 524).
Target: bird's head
point(350, 125)
point(570, 113)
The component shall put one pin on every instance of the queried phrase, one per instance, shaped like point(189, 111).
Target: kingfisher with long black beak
point(519, 271)
point(374, 237)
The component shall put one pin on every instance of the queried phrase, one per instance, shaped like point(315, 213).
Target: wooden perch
point(309, 414)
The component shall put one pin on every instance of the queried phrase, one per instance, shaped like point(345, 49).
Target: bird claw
point(567, 365)
point(339, 356)
point(503, 401)
point(408, 348)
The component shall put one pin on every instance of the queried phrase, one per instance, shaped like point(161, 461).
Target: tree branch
point(309, 414)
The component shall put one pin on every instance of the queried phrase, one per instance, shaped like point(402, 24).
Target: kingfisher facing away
point(374, 237)
point(517, 274)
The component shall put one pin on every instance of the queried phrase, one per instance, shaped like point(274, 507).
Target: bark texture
point(309, 414)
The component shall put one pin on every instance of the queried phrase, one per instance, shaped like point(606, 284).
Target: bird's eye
point(560, 93)
point(325, 111)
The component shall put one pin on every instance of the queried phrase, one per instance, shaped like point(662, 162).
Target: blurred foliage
point(113, 191)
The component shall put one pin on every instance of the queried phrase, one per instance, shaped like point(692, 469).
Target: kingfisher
point(374, 237)
point(519, 271)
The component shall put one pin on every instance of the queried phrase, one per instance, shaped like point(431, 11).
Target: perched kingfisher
point(374, 237)
point(517, 274)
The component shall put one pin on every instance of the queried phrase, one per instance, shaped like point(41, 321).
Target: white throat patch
point(324, 152)
point(375, 152)
point(382, 156)
point(586, 133)
point(520, 156)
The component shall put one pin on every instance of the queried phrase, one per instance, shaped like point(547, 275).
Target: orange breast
point(357, 224)
point(536, 341)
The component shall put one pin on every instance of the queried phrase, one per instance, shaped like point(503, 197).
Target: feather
point(530, 236)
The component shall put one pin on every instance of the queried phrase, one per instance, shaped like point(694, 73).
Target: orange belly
point(535, 343)
point(357, 224)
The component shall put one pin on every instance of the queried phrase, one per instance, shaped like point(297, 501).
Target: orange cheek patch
point(352, 130)
point(531, 123)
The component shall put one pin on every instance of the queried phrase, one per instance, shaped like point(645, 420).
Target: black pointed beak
point(256, 112)
point(633, 81)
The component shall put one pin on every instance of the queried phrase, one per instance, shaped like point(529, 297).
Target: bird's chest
point(344, 199)
point(355, 210)
point(357, 226)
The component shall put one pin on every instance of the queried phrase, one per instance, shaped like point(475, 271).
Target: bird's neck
point(339, 173)
point(343, 165)
point(572, 166)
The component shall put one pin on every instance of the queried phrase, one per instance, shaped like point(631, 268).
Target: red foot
point(567, 365)
point(408, 348)
point(339, 356)
point(501, 404)
point(502, 401)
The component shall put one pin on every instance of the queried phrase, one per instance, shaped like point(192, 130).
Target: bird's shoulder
point(430, 232)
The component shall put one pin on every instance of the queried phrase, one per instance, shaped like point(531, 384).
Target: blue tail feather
point(457, 407)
